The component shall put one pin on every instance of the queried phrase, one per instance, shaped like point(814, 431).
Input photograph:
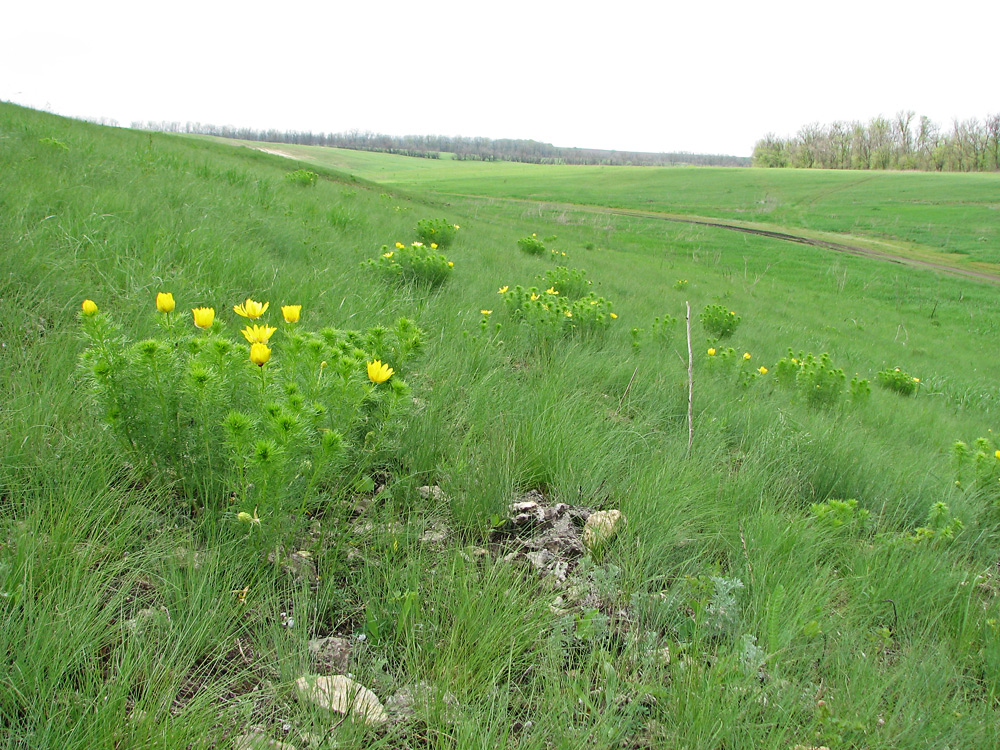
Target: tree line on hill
point(901, 142)
point(462, 148)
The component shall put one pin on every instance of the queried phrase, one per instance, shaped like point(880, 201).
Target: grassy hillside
point(818, 569)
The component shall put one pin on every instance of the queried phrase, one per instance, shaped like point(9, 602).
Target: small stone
point(602, 526)
point(342, 695)
point(432, 492)
point(331, 655)
point(436, 534)
point(421, 697)
point(296, 564)
point(147, 618)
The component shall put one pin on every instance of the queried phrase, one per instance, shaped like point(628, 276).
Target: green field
point(177, 524)
point(951, 217)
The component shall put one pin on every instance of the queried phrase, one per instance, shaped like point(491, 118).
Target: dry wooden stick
point(690, 383)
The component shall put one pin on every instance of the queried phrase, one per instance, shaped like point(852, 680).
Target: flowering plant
point(267, 422)
point(438, 231)
point(415, 263)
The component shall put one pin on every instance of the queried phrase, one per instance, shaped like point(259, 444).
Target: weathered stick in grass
point(690, 383)
point(627, 388)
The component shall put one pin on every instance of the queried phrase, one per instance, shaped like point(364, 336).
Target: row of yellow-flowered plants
point(259, 423)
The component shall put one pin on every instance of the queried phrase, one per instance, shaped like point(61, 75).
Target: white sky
point(652, 76)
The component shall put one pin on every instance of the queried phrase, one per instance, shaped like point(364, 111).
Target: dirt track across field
point(839, 247)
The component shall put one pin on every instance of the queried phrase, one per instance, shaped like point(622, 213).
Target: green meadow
point(951, 217)
point(811, 535)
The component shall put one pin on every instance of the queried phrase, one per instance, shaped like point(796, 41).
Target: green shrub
point(531, 245)
point(570, 282)
point(302, 178)
point(661, 333)
point(817, 380)
point(898, 381)
point(436, 231)
point(548, 312)
point(718, 322)
point(415, 263)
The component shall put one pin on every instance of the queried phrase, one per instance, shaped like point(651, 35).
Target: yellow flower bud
point(165, 302)
point(203, 316)
point(292, 312)
point(259, 353)
point(89, 307)
point(711, 352)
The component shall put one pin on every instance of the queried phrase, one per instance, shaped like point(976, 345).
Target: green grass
point(121, 617)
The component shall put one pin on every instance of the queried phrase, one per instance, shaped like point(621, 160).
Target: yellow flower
point(614, 316)
point(251, 309)
point(434, 246)
point(563, 255)
point(258, 335)
point(794, 361)
point(997, 454)
point(534, 296)
point(456, 226)
point(203, 316)
point(746, 355)
point(418, 244)
point(165, 302)
point(551, 290)
point(387, 255)
point(378, 372)
point(762, 370)
point(259, 353)
point(451, 264)
point(569, 313)
point(291, 312)
point(503, 289)
point(400, 245)
point(486, 312)
point(89, 307)
point(711, 352)
point(533, 234)
point(916, 380)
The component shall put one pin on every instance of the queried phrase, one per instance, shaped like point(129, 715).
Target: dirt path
point(839, 247)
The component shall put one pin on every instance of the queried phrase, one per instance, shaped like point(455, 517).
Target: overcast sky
point(711, 77)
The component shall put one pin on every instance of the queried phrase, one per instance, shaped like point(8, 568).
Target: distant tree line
point(902, 142)
point(466, 149)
